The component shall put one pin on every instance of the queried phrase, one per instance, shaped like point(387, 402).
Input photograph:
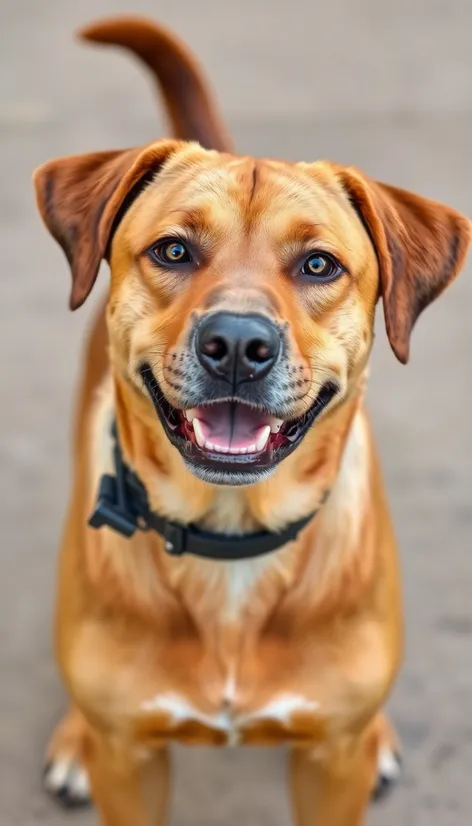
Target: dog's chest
point(232, 685)
point(214, 673)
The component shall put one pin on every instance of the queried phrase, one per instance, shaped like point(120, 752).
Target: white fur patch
point(280, 709)
point(388, 765)
point(229, 695)
point(181, 711)
point(284, 705)
point(241, 577)
point(102, 441)
point(65, 776)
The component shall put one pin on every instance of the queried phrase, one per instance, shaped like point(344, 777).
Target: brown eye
point(170, 252)
point(321, 267)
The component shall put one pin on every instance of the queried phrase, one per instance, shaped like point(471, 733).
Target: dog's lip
point(278, 445)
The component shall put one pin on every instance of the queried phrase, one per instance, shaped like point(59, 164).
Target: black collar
point(122, 504)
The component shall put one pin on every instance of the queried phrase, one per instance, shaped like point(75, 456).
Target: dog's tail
point(189, 102)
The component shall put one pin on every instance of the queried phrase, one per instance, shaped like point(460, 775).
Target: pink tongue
point(227, 425)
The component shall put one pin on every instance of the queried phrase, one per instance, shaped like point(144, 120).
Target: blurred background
point(386, 86)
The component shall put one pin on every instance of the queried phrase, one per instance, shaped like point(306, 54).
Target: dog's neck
point(334, 458)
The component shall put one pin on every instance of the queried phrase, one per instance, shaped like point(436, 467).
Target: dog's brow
point(297, 236)
point(194, 225)
point(191, 220)
point(302, 232)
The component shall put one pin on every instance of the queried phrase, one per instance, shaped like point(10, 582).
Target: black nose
point(237, 348)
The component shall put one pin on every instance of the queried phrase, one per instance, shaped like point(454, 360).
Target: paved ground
point(382, 85)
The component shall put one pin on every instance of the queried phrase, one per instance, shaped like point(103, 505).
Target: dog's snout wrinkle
point(237, 348)
point(243, 299)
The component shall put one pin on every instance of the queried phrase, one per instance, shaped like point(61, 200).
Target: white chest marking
point(226, 720)
point(241, 577)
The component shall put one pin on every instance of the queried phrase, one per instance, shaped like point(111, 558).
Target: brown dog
point(239, 326)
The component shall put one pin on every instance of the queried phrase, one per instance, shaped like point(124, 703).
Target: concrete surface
point(384, 85)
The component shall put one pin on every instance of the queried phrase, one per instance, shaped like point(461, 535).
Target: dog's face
point(243, 292)
point(242, 300)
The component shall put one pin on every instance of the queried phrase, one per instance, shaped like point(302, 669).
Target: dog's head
point(243, 291)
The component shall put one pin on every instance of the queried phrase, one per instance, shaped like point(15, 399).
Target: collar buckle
point(110, 512)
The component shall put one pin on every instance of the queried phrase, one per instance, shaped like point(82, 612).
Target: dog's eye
point(322, 267)
point(170, 252)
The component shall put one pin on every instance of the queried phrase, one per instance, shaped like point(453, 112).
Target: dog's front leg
point(130, 787)
point(334, 788)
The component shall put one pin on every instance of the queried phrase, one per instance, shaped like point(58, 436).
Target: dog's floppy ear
point(420, 244)
point(81, 197)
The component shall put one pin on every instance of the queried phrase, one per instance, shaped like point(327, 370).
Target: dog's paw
point(389, 767)
point(65, 777)
point(67, 780)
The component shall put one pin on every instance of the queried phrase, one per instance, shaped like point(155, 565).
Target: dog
point(228, 570)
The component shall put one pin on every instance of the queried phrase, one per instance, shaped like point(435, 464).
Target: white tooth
point(275, 424)
point(209, 445)
point(233, 450)
point(242, 450)
point(262, 440)
point(221, 449)
point(197, 429)
point(189, 414)
point(251, 449)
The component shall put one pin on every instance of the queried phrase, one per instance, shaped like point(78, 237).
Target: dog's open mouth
point(232, 427)
point(233, 435)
